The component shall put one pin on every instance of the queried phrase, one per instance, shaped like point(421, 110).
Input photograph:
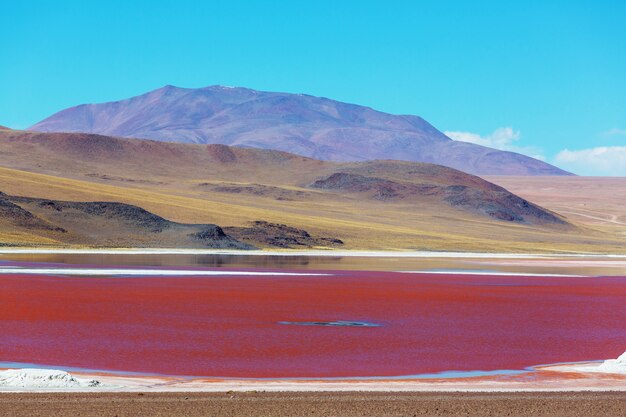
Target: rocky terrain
point(280, 236)
point(315, 127)
point(259, 190)
point(108, 224)
point(117, 224)
point(489, 200)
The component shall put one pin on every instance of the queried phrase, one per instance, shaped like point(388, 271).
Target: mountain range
point(315, 127)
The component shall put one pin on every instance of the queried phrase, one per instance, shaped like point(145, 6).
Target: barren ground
point(258, 404)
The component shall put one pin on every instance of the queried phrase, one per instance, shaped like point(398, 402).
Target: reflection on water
point(592, 266)
point(337, 323)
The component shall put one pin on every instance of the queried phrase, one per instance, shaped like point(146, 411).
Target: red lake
point(264, 326)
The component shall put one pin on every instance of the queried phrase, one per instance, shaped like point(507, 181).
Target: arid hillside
point(275, 199)
point(106, 224)
point(597, 202)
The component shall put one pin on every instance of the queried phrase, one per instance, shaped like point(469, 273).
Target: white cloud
point(616, 132)
point(502, 138)
point(604, 160)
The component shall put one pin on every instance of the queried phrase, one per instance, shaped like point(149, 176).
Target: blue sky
point(546, 78)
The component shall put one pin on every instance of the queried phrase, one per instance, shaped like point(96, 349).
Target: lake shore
point(305, 252)
point(576, 377)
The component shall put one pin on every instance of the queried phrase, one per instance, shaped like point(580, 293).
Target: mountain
point(315, 127)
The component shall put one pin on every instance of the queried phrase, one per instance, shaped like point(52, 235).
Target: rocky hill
point(108, 224)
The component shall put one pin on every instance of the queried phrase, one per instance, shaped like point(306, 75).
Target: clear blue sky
point(553, 71)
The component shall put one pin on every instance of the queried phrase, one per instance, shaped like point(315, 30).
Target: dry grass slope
point(232, 187)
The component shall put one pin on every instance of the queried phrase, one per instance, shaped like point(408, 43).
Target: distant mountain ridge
point(311, 126)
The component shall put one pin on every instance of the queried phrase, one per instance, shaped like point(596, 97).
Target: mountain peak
point(224, 87)
point(311, 126)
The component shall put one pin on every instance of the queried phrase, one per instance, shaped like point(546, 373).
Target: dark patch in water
point(337, 323)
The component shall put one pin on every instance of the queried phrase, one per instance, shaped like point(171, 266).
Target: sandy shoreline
point(550, 378)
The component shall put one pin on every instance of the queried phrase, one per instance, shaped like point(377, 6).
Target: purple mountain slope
point(311, 126)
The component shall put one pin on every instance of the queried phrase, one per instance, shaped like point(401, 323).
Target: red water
point(228, 326)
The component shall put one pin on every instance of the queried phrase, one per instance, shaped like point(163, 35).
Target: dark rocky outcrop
point(481, 198)
point(221, 153)
point(259, 190)
point(501, 205)
point(110, 224)
point(214, 236)
point(18, 217)
point(280, 236)
point(133, 215)
point(380, 188)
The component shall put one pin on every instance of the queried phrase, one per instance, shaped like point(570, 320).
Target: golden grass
point(361, 224)
point(8, 236)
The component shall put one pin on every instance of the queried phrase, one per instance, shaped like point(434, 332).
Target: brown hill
point(482, 198)
point(143, 159)
point(149, 159)
point(12, 215)
point(108, 224)
point(394, 205)
point(118, 225)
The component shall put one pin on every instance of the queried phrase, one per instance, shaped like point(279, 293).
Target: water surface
point(234, 325)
